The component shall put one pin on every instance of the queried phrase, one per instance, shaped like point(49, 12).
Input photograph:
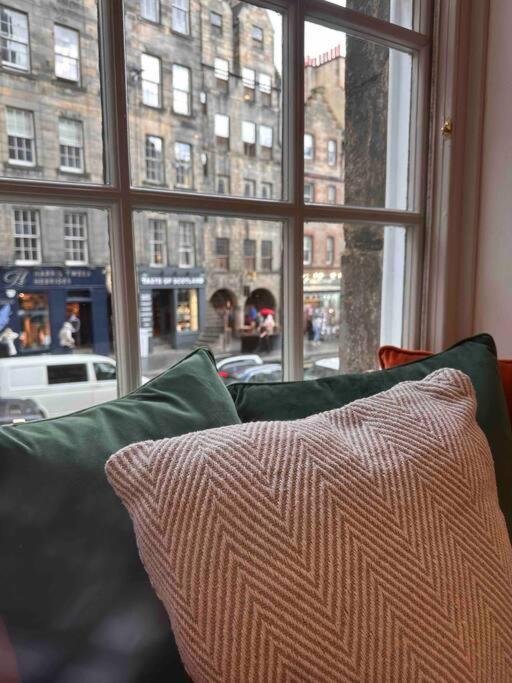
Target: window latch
point(447, 128)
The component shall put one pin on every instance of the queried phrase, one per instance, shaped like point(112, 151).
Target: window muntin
point(309, 146)
point(265, 87)
point(250, 255)
point(75, 238)
point(267, 255)
point(151, 80)
point(249, 139)
point(71, 145)
point(308, 250)
point(221, 68)
point(67, 53)
point(332, 152)
point(154, 155)
point(183, 164)
point(257, 36)
point(150, 10)
point(180, 17)
point(222, 253)
point(157, 242)
point(186, 245)
point(400, 13)
point(14, 39)
point(248, 77)
point(27, 236)
point(181, 101)
point(216, 21)
point(21, 137)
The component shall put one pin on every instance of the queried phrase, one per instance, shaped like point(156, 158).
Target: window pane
point(220, 287)
point(51, 119)
point(357, 120)
point(399, 12)
point(55, 307)
point(212, 80)
point(353, 295)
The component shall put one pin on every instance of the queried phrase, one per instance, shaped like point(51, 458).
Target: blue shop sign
point(48, 277)
point(172, 278)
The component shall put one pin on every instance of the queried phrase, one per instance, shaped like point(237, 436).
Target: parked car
point(60, 383)
point(231, 366)
point(323, 367)
point(19, 409)
point(267, 372)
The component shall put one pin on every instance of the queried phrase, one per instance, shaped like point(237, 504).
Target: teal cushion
point(73, 593)
point(475, 356)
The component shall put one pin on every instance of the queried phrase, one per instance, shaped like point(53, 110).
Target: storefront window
point(187, 311)
point(34, 322)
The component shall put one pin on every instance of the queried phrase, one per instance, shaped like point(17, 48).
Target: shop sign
point(146, 310)
point(171, 280)
point(23, 278)
point(321, 278)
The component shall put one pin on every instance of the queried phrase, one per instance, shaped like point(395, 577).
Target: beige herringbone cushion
point(361, 544)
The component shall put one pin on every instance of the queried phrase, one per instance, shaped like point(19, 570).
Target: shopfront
point(322, 300)
point(36, 301)
point(171, 307)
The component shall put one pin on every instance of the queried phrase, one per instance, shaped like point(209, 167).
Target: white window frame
point(329, 250)
point(150, 10)
point(181, 9)
point(309, 149)
point(248, 77)
point(158, 83)
point(23, 236)
point(157, 228)
point(153, 159)
point(80, 147)
point(9, 41)
point(29, 115)
point(75, 239)
point(181, 94)
point(62, 55)
point(184, 164)
point(307, 258)
point(332, 157)
point(186, 244)
point(122, 198)
point(222, 126)
point(266, 136)
point(221, 68)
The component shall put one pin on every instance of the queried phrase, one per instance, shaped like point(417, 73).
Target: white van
point(60, 383)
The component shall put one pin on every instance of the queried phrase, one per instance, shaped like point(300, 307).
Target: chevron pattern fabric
point(364, 544)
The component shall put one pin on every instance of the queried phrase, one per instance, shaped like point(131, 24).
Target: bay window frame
point(121, 197)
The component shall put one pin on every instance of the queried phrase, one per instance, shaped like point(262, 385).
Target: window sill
point(22, 167)
point(73, 174)
point(153, 183)
point(27, 73)
point(186, 36)
point(73, 85)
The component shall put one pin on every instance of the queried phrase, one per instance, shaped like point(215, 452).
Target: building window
point(181, 103)
point(14, 39)
point(27, 239)
point(183, 164)
point(309, 192)
point(223, 184)
point(266, 255)
point(155, 160)
point(249, 188)
point(249, 138)
point(216, 22)
point(186, 246)
point(221, 68)
point(150, 10)
point(75, 238)
point(20, 137)
point(222, 132)
point(309, 146)
point(187, 311)
point(308, 250)
point(151, 80)
point(67, 53)
point(180, 16)
point(71, 145)
point(267, 190)
point(265, 83)
point(250, 255)
point(222, 253)
point(266, 137)
point(329, 251)
point(257, 36)
point(157, 242)
point(332, 152)
point(249, 83)
point(331, 194)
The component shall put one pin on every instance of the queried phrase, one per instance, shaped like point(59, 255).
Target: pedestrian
point(66, 340)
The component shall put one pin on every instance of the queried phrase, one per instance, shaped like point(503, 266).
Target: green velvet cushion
point(73, 593)
point(475, 356)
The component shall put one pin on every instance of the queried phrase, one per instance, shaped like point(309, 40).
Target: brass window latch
point(447, 128)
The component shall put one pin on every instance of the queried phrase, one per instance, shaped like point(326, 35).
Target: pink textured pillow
point(361, 544)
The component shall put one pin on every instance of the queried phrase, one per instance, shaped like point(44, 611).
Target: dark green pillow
point(73, 593)
point(475, 356)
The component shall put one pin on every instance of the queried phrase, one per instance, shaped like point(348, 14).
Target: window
point(308, 250)
point(309, 192)
point(329, 251)
point(250, 255)
point(75, 238)
point(216, 22)
point(151, 78)
point(67, 53)
point(265, 83)
point(331, 194)
point(222, 132)
point(267, 190)
point(249, 82)
point(332, 152)
point(181, 103)
point(157, 242)
point(266, 255)
point(180, 16)
point(14, 39)
point(223, 184)
point(309, 146)
point(187, 257)
point(155, 160)
point(266, 135)
point(249, 188)
point(27, 240)
point(20, 137)
point(71, 142)
point(105, 371)
point(67, 374)
point(249, 138)
point(222, 253)
point(34, 319)
point(221, 68)
point(257, 36)
point(150, 10)
point(183, 164)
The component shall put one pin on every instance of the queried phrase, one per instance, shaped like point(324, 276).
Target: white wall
point(493, 298)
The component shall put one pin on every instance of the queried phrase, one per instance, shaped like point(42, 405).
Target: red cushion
point(389, 356)
point(8, 666)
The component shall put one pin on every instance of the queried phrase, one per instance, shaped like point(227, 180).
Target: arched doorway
point(262, 299)
point(222, 299)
